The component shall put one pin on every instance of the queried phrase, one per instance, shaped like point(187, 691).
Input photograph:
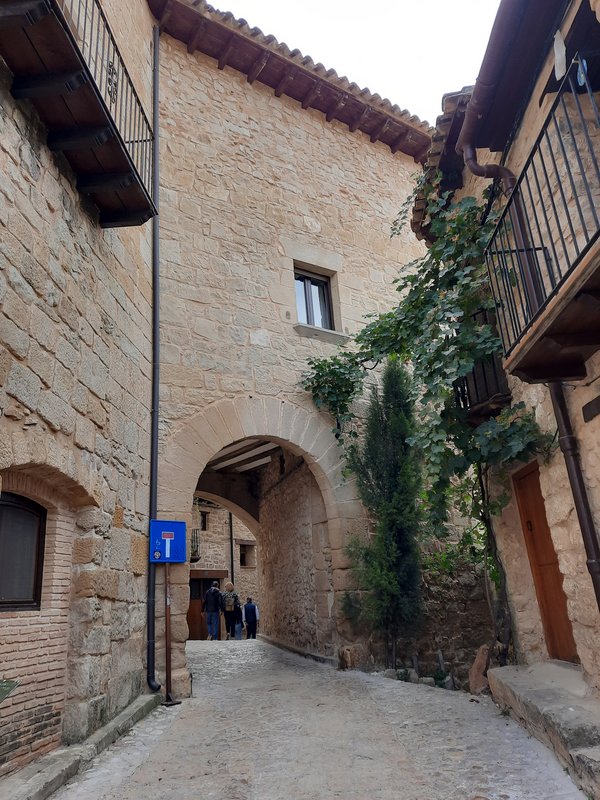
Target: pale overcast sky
point(410, 51)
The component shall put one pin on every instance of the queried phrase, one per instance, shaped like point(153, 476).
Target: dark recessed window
point(22, 532)
point(313, 300)
point(204, 520)
point(247, 555)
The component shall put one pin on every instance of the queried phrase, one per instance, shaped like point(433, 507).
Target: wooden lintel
point(27, 87)
point(196, 36)
point(125, 219)
point(166, 15)
point(25, 12)
point(360, 120)
point(285, 81)
point(311, 95)
point(399, 141)
point(258, 66)
point(380, 130)
point(79, 138)
point(337, 106)
point(585, 338)
point(222, 63)
point(104, 181)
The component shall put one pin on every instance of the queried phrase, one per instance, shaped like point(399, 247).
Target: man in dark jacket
point(212, 608)
point(251, 617)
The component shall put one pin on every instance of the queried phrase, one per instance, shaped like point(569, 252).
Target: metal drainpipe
point(151, 587)
point(569, 446)
point(231, 547)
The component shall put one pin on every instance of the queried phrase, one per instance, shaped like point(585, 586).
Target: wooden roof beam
point(166, 15)
point(258, 66)
point(197, 36)
point(311, 95)
point(380, 130)
point(337, 106)
point(288, 77)
point(222, 63)
point(360, 120)
point(422, 151)
point(399, 141)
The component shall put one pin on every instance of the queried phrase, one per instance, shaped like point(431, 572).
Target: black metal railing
point(89, 28)
point(484, 391)
point(552, 217)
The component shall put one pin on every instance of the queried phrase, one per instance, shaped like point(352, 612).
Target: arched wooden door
point(547, 578)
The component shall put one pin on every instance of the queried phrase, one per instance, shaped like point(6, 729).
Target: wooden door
point(547, 578)
point(195, 618)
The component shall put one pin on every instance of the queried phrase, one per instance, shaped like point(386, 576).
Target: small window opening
point(22, 535)
point(313, 300)
point(247, 555)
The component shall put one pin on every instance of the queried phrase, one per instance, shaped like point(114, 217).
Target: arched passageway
point(276, 465)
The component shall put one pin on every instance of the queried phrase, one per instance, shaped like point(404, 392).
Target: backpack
point(229, 602)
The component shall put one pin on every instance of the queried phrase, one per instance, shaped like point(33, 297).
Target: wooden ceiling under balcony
point(232, 43)
point(50, 71)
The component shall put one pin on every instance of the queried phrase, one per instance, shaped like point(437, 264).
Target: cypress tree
point(388, 480)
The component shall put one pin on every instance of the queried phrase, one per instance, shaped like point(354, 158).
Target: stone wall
point(74, 404)
point(242, 203)
point(295, 575)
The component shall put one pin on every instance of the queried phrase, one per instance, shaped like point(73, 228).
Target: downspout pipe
point(151, 586)
point(568, 445)
point(231, 547)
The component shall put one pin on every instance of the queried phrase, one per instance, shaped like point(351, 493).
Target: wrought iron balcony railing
point(551, 220)
point(484, 392)
point(89, 27)
point(65, 60)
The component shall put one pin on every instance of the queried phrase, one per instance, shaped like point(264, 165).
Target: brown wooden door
point(547, 578)
point(195, 618)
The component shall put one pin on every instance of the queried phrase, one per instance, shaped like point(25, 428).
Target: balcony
point(484, 392)
point(64, 60)
point(544, 258)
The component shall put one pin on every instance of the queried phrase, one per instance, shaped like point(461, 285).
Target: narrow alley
point(263, 723)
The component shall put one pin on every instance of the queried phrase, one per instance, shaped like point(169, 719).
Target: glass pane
point(19, 531)
point(301, 301)
point(318, 290)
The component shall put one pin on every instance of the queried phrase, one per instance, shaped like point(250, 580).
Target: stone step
point(552, 701)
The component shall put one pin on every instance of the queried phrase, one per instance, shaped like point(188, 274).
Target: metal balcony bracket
point(79, 138)
point(28, 87)
point(104, 181)
point(21, 13)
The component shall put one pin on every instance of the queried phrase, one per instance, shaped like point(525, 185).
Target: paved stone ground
point(268, 725)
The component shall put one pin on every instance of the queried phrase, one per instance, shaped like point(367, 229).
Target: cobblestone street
point(267, 725)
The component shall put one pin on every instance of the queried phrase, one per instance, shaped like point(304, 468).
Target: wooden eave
point(232, 43)
point(442, 154)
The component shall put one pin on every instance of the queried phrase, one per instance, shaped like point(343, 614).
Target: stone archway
point(300, 430)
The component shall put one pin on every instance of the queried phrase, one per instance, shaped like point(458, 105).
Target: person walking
point(251, 617)
point(239, 621)
point(212, 607)
point(230, 601)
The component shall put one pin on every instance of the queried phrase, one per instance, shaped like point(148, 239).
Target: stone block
point(24, 385)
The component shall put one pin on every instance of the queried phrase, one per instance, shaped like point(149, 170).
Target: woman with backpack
point(230, 603)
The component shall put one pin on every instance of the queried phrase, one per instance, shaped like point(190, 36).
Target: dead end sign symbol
point(168, 536)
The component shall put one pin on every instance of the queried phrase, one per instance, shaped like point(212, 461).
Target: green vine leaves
point(437, 330)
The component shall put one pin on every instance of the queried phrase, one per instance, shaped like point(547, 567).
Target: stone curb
point(38, 780)
point(332, 662)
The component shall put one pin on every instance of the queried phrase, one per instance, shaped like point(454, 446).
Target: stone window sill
point(325, 335)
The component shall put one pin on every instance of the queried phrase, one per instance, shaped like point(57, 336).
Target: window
point(204, 520)
point(313, 300)
point(22, 531)
point(247, 555)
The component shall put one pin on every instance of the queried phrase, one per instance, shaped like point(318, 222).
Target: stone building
point(531, 123)
point(277, 181)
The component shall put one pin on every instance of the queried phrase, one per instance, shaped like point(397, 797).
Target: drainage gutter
point(151, 586)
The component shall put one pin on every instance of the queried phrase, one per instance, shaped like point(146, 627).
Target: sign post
point(167, 546)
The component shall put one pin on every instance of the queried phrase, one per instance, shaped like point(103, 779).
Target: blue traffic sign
point(167, 541)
